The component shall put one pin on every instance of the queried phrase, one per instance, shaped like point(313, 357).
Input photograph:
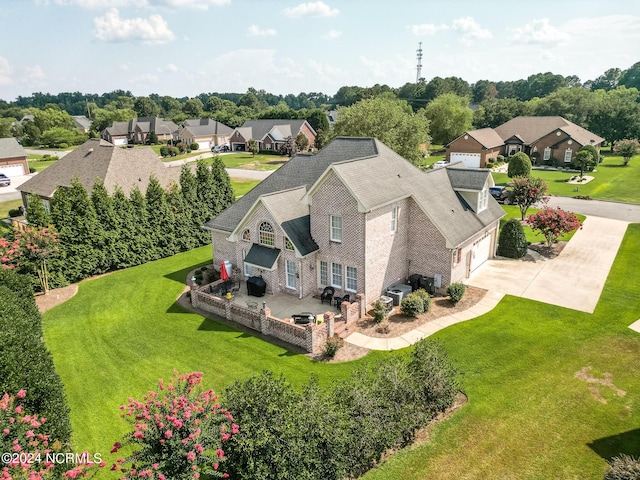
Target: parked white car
point(440, 163)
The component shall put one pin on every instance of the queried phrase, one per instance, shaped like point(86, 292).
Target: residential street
point(598, 208)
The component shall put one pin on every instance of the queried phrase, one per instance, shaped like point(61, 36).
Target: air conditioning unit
point(398, 291)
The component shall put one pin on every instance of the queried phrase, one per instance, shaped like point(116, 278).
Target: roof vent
point(89, 152)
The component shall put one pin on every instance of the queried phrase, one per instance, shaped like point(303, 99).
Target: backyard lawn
point(531, 412)
point(513, 211)
point(611, 181)
point(242, 185)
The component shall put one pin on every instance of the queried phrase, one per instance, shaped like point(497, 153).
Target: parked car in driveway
point(4, 180)
point(500, 193)
point(440, 163)
point(220, 148)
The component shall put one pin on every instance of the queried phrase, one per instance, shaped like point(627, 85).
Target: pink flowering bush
point(553, 223)
point(27, 452)
point(179, 432)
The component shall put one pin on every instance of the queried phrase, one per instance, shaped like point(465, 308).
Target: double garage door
point(471, 160)
point(12, 170)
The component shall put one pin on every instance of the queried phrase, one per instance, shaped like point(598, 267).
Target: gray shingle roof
point(10, 148)
point(531, 129)
point(260, 128)
point(299, 232)
point(115, 166)
point(202, 127)
point(262, 257)
point(463, 178)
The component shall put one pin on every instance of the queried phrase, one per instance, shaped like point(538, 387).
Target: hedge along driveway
point(123, 331)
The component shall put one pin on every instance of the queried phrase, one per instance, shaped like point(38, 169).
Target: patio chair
point(235, 288)
point(327, 295)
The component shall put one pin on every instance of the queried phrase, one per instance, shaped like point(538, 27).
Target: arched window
point(246, 235)
point(267, 237)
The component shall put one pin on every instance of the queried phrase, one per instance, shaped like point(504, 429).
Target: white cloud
point(470, 30)
point(102, 4)
point(427, 29)
point(112, 28)
point(538, 31)
point(311, 9)
point(171, 68)
point(387, 70)
point(144, 79)
point(5, 72)
point(332, 35)
point(124, 67)
point(35, 77)
point(196, 4)
point(254, 31)
point(95, 4)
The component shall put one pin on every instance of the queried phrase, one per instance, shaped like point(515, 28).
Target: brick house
point(358, 217)
point(206, 132)
point(548, 140)
point(138, 130)
point(13, 158)
point(270, 134)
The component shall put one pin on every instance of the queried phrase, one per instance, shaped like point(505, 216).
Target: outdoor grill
point(256, 286)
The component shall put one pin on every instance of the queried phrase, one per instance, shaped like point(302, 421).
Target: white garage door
point(204, 145)
point(480, 252)
point(12, 170)
point(119, 141)
point(471, 160)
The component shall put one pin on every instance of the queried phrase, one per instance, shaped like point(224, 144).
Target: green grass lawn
point(514, 212)
point(528, 416)
point(242, 185)
point(612, 181)
point(9, 205)
point(257, 162)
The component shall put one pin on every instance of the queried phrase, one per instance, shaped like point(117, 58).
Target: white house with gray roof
point(358, 217)
point(271, 134)
point(13, 158)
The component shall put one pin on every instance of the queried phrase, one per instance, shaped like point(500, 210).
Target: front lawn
point(531, 413)
point(513, 211)
point(612, 181)
point(242, 185)
point(250, 162)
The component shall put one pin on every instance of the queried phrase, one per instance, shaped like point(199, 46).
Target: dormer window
point(483, 198)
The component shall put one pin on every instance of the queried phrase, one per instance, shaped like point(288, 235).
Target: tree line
point(98, 232)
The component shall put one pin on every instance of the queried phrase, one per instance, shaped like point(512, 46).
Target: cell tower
point(419, 67)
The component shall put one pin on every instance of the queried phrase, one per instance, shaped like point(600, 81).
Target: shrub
point(500, 158)
point(456, 291)
point(164, 151)
point(519, 165)
point(491, 160)
point(553, 223)
point(64, 145)
point(332, 346)
point(179, 432)
point(512, 242)
point(379, 312)
point(15, 212)
point(412, 305)
point(425, 297)
point(32, 170)
point(194, 146)
point(623, 467)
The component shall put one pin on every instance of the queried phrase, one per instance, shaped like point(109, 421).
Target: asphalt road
point(627, 212)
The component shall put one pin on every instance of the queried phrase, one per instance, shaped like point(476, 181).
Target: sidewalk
point(486, 304)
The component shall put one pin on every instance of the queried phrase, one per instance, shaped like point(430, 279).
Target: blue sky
point(186, 47)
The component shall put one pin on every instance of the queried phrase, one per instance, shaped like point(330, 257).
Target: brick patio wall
point(310, 337)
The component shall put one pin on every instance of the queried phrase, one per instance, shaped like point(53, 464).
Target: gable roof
point(279, 129)
point(99, 159)
point(10, 148)
point(81, 121)
point(487, 137)
point(299, 232)
point(375, 175)
point(530, 129)
point(202, 127)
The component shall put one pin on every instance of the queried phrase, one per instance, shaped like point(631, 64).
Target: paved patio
point(284, 306)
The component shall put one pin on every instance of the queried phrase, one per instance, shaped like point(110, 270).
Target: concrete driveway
point(574, 279)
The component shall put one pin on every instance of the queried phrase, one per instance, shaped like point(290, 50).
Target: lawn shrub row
point(338, 432)
point(416, 303)
point(25, 361)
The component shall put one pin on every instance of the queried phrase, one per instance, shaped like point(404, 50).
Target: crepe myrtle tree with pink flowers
point(28, 452)
point(553, 223)
point(179, 432)
point(526, 192)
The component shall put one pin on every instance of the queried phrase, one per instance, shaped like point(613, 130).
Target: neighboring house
point(138, 130)
point(13, 158)
point(98, 159)
point(206, 132)
point(548, 140)
point(358, 217)
point(82, 123)
point(270, 134)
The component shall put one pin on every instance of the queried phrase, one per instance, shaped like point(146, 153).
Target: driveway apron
point(574, 279)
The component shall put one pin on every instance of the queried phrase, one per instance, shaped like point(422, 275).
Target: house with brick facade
point(271, 134)
point(138, 129)
point(547, 140)
point(13, 158)
point(358, 217)
point(206, 132)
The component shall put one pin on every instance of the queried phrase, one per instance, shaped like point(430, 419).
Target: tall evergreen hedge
point(512, 242)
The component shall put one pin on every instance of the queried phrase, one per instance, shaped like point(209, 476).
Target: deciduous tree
point(553, 223)
point(583, 160)
point(252, 146)
point(519, 165)
point(449, 116)
point(627, 149)
point(526, 192)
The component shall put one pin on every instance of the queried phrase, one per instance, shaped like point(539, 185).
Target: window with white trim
point(288, 245)
point(394, 219)
point(547, 153)
point(324, 273)
point(336, 228)
point(290, 266)
point(567, 155)
point(352, 279)
point(336, 275)
point(267, 235)
point(246, 268)
point(483, 197)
